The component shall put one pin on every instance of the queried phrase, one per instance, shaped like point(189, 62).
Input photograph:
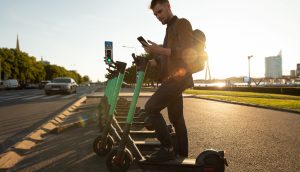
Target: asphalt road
point(255, 139)
point(22, 111)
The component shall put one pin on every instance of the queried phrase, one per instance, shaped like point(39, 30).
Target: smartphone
point(142, 41)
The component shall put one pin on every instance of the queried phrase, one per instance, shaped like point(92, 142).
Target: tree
point(151, 75)
point(130, 75)
point(85, 79)
point(19, 65)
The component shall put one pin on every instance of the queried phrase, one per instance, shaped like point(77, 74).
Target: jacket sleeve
point(184, 34)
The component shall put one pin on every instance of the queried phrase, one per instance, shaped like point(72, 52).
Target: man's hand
point(153, 48)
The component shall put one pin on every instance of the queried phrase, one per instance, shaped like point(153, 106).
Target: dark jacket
point(179, 37)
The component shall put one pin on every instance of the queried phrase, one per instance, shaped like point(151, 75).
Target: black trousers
point(169, 95)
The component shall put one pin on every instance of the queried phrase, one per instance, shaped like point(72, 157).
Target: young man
point(175, 78)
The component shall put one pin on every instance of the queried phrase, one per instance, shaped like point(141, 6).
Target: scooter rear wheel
point(116, 164)
point(102, 149)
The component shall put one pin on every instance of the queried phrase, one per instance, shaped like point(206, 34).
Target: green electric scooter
point(108, 119)
point(104, 142)
point(112, 77)
point(122, 156)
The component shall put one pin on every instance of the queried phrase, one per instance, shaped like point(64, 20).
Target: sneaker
point(163, 154)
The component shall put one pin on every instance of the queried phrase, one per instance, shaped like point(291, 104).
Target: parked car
point(2, 85)
point(11, 84)
point(43, 83)
point(31, 86)
point(61, 85)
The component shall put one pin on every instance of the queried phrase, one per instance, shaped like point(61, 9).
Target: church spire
point(18, 46)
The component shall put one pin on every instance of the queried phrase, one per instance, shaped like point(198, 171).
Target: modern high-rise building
point(273, 66)
point(298, 69)
point(293, 73)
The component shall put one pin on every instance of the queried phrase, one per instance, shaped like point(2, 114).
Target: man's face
point(162, 12)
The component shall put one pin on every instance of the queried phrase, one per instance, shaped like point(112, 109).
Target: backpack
point(211, 161)
point(196, 61)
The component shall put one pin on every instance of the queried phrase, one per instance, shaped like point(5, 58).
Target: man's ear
point(168, 5)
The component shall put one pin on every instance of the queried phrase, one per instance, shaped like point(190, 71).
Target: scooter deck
point(147, 145)
point(142, 134)
point(179, 164)
point(124, 118)
point(134, 124)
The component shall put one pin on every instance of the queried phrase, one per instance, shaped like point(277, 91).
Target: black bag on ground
point(212, 161)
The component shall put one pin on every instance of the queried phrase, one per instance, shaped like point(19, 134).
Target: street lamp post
point(249, 82)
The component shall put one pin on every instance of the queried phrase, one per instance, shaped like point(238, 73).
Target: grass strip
point(262, 99)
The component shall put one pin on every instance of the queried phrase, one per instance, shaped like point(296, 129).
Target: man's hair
point(154, 2)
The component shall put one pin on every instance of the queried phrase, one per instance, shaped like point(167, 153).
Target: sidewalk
point(71, 148)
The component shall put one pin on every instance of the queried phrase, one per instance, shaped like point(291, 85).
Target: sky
point(71, 33)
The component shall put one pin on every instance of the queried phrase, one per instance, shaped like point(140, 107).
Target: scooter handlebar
point(140, 62)
point(135, 59)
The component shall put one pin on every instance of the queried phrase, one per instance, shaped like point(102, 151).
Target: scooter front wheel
point(100, 148)
point(116, 163)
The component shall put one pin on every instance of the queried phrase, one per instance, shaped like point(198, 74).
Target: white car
point(11, 84)
point(61, 85)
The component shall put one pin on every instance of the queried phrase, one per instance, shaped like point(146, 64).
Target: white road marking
point(34, 97)
point(7, 97)
point(16, 97)
point(50, 97)
point(68, 96)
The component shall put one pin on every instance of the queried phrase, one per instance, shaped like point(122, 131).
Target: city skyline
point(73, 36)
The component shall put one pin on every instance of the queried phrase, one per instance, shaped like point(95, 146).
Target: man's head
point(162, 10)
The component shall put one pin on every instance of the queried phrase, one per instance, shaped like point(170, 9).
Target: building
point(293, 73)
point(273, 66)
point(298, 70)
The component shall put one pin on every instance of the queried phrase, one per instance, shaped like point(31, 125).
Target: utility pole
point(249, 82)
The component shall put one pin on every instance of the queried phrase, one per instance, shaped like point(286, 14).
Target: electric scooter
point(112, 129)
point(112, 77)
point(122, 156)
point(104, 142)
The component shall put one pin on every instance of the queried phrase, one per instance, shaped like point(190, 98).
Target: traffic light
point(108, 56)
point(108, 52)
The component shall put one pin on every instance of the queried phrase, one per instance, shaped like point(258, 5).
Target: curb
point(247, 104)
point(143, 96)
point(13, 155)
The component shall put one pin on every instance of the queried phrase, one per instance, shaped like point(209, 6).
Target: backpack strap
point(173, 29)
